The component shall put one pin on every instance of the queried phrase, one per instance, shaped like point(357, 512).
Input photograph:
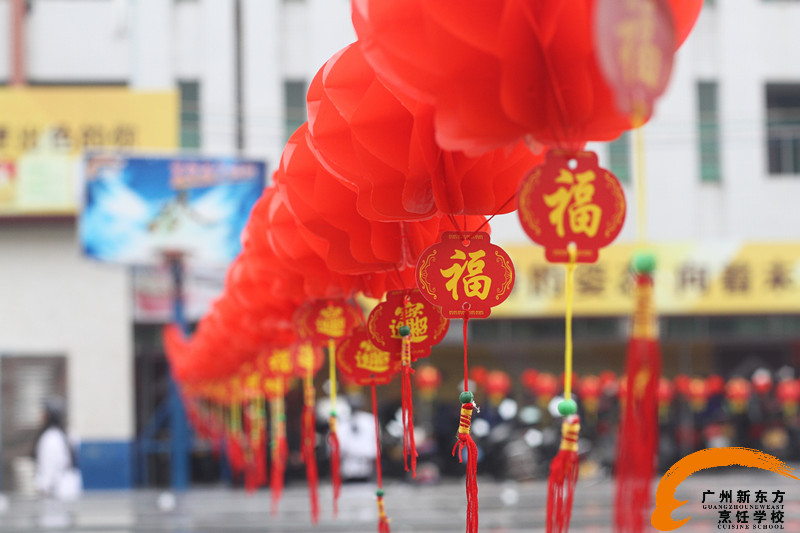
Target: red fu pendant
point(465, 275)
point(407, 325)
point(426, 325)
point(325, 319)
point(568, 199)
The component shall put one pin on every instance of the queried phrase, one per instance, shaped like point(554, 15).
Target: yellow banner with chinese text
point(44, 129)
point(716, 278)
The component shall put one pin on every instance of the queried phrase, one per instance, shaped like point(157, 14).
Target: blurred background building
point(229, 77)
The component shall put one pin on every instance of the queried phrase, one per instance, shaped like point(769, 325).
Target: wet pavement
point(505, 507)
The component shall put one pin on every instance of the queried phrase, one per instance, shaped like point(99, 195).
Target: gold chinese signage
point(44, 129)
point(718, 278)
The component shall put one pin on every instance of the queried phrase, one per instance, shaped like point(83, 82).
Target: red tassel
point(407, 411)
point(235, 453)
point(637, 441)
point(563, 477)
point(383, 520)
point(280, 452)
point(336, 476)
point(465, 441)
point(309, 452)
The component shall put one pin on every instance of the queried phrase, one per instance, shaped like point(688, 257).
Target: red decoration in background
point(762, 381)
point(407, 307)
point(385, 150)
point(737, 394)
point(427, 380)
point(571, 199)
point(498, 385)
point(496, 71)
point(637, 441)
point(479, 374)
point(325, 319)
point(406, 324)
point(465, 276)
point(307, 361)
point(715, 385)
point(635, 42)
point(363, 363)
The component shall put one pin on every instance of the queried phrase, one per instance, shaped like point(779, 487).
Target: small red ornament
point(276, 362)
point(363, 363)
point(308, 359)
point(568, 199)
point(465, 275)
point(426, 325)
point(329, 318)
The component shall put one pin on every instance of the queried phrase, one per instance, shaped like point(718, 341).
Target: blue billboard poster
point(138, 209)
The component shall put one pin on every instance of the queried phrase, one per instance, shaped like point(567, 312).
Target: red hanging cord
point(280, 448)
point(333, 437)
point(383, 521)
point(407, 403)
point(309, 438)
point(465, 441)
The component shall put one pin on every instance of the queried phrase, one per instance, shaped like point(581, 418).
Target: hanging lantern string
point(407, 403)
point(485, 222)
point(453, 220)
point(332, 393)
point(570, 291)
point(466, 365)
point(641, 196)
point(333, 438)
point(383, 520)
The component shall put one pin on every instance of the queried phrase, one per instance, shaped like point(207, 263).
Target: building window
point(619, 157)
point(294, 98)
point(783, 128)
point(708, 131)
point(190, 114)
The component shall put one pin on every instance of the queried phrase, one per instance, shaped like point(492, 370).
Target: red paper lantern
point(528, 379)
point(496, 71)
point(762, 381)
point(498, 384)
point(385, 150)
point(589, 387)
point(427, 379)
point(479, 374)
point(788, 390)
point(715, 384)
point(665, 392)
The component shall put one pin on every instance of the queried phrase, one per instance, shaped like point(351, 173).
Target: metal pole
point(179, 428)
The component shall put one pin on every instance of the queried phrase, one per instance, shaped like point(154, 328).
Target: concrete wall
point(56, 302)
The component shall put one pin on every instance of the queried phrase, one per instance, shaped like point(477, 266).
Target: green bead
point(404, 330)
point(333, 414)
point(282, 418)
point(379, 493)
point(644, 262)
point(567, 407)
point(466, 397)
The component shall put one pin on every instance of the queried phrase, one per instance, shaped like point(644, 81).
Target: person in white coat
point(57, 475)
